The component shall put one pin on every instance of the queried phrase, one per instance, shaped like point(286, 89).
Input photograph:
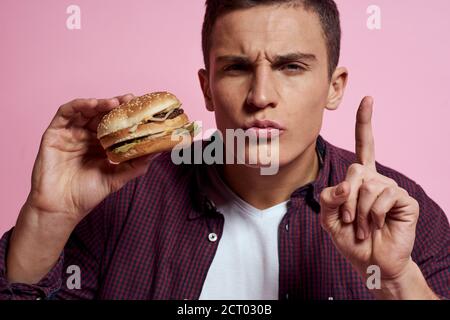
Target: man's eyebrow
point(295, 56)
point(278, 59)
point(232, 59)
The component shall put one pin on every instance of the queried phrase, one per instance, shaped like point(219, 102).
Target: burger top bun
point(135, 111)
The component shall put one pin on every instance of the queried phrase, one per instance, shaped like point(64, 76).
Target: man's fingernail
point(339, 191)
point(380, 224)
point(347, 217)
point(360, 234)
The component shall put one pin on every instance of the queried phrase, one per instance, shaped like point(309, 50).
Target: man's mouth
point(265, 128)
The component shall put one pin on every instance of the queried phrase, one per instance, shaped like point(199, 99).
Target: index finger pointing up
point(365, 145)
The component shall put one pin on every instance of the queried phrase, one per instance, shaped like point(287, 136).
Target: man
point(150, 229)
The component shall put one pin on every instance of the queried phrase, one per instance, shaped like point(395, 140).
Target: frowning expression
point(269, 68)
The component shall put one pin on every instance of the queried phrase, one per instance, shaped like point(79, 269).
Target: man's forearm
point(411, 285)
point(35, 245)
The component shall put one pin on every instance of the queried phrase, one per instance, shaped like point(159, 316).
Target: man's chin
point(263, 158)
point(260, 165)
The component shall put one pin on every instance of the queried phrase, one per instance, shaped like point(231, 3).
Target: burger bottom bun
point(146, 147)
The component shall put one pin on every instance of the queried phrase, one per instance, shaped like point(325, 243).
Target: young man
point(317, 229)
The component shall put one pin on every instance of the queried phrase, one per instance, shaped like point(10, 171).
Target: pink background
point(147, 45)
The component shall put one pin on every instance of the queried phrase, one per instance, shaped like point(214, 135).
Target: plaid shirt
point(156, 238)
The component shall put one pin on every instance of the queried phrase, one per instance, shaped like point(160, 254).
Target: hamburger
point(148, 124)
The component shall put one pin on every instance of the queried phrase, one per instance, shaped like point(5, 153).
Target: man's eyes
point(235, 67)
point(239, 68)
point(292, 67)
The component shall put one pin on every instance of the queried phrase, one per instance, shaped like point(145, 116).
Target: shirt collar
point(202, 204)
point(310, 192)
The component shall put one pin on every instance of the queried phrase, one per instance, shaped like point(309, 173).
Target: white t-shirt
point(245, 266)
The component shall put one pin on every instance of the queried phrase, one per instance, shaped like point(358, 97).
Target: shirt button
point(287, 226)
point(210, 206)
point(212, 237)
point(38, 298)
point(287, 296)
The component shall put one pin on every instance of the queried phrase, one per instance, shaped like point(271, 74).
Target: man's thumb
point(131, 169)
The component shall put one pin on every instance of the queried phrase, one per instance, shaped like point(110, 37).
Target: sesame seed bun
point(135, 111)
point(142, 126)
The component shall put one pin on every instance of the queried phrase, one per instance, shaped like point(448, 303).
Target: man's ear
point(337, 88)
point(204, 83)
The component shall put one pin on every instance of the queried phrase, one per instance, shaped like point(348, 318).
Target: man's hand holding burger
point(372, 221)
point(71, 176)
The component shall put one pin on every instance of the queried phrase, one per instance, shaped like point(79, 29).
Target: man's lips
point(265, 128)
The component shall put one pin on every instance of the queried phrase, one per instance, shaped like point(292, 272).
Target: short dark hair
point(326, 10)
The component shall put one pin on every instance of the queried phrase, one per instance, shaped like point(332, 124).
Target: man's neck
point(265, 191)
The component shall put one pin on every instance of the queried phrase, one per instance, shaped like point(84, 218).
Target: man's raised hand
point(371, 220)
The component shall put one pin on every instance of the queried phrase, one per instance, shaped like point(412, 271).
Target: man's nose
point(262, 93)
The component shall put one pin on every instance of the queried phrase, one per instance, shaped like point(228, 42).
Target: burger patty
point(174, 114)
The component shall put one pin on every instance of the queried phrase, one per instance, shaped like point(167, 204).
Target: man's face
point(270, 63)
